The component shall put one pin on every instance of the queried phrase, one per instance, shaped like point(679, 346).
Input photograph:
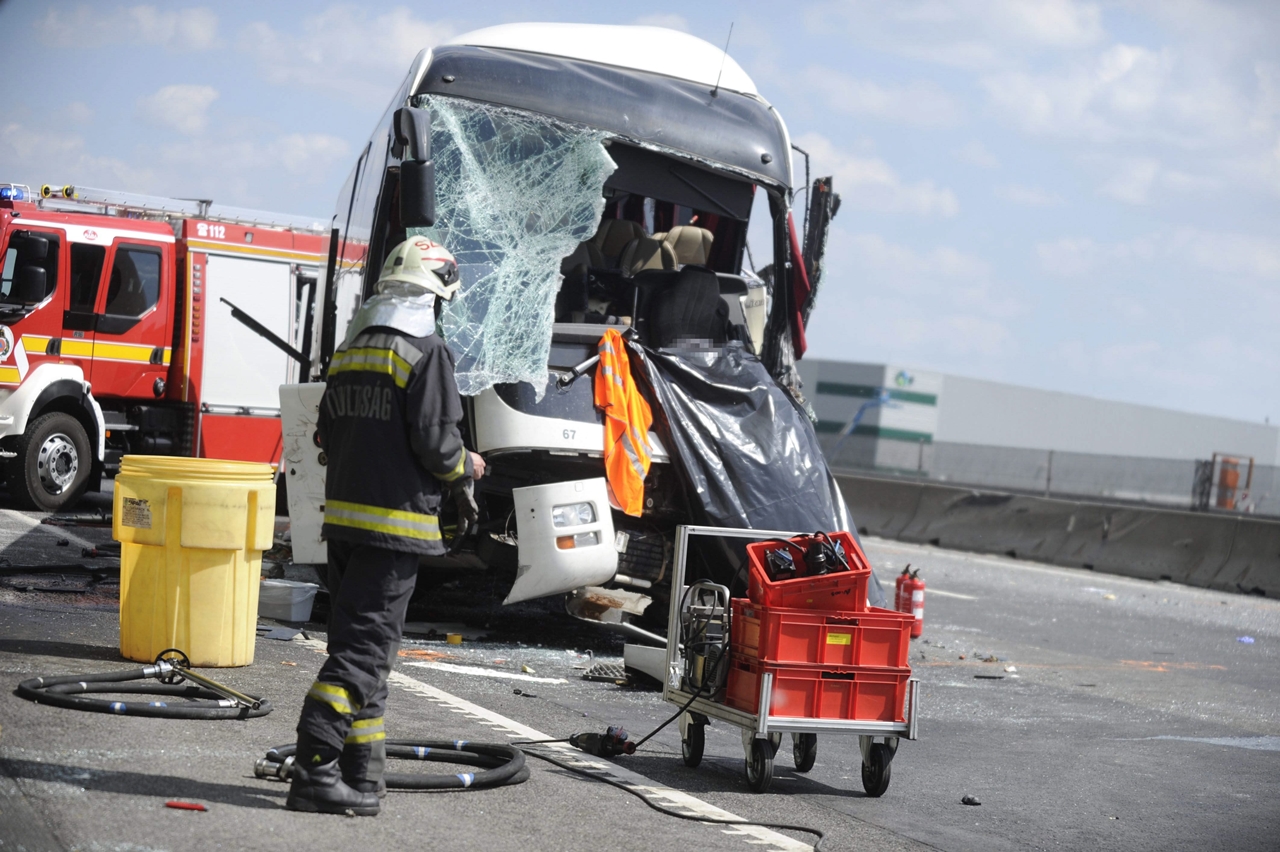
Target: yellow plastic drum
point(191, 533)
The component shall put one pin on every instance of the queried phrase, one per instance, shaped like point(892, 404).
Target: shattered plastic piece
point(515, 194)
point(1247, 640)
point(1011, 668)
point(63, 542)
point(524, 694)
point(970, 800)
point(527, 669)
point(287, 663)
point(1108, 597)
point(186, 806)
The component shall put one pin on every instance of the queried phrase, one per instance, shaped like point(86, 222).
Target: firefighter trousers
point(369, 590)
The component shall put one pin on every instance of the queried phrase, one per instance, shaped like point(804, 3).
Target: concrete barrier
point(884, 506)
point(1226, 552)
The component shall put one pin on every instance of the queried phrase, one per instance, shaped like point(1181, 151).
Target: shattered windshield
point(515, 194)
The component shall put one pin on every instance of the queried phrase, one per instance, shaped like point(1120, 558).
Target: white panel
point(240, 367)
point(301, 463)
point(546, 569)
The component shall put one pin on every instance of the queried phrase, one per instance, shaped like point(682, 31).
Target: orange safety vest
point(627, 419)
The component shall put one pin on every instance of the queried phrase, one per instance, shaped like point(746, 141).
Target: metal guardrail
point(1169, 483)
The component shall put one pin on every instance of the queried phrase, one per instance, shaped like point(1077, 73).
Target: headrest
point(690, 243)
point(613, 235)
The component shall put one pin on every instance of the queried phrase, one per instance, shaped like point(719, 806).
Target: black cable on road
point(614, 782)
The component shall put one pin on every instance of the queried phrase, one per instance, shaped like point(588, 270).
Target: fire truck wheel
point(52, 464)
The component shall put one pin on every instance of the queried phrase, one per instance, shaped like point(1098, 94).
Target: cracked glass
point(515, 194)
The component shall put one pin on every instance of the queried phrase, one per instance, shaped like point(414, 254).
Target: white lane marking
point(929, 591)
point(479, 672)
point(58, 532)
point(568, 754)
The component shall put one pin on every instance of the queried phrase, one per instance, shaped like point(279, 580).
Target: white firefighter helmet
point(424, 263)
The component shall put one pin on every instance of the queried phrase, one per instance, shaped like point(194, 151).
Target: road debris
point(970, 800)
point(1246, 640)
point(186, 806)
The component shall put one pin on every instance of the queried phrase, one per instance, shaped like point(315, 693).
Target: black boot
point(318, 786)
point(362, 766)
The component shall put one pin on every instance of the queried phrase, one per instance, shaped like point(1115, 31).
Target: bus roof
point(657, 50)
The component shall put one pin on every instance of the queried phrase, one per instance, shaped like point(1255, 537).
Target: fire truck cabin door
point(133, 331)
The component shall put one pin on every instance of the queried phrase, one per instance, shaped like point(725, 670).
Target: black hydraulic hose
point(499, 764)
point(191, 701)
point(640, 794)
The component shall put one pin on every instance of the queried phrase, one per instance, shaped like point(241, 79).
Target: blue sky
point(1070, 195)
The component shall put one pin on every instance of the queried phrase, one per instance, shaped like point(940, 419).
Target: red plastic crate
point(820, 692)
point(877, 637)
point(844, 591)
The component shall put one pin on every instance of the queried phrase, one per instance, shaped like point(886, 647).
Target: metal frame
point(761, 724)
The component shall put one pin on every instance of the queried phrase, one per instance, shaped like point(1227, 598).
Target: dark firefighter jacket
point(389, 425)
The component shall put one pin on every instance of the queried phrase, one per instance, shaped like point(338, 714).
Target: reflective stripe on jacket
point(389, 425)
point(627, 419)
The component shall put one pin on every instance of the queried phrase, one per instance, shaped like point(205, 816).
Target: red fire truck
point(133, 324)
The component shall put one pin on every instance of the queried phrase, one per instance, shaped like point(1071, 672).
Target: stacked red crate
point(831, 655)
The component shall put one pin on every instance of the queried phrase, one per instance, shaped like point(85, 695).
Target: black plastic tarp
point(749, 455)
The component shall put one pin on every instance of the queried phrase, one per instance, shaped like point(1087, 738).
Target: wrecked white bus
point(588, 177)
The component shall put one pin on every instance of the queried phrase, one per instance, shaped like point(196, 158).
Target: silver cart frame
point(761, 731)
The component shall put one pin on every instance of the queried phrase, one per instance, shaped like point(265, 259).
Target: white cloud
point(184, 108)
point(1132, 184)
point(976, 154)
point(871, 183)
point(916, 305)
point(193, 28)
point(308, 154)
point(343, 49)
point(39, 154)
point(1242, 259)
point(963, 33)
point(923, 104)
point(671, 21)
point(1028, 196)
point(79, 112)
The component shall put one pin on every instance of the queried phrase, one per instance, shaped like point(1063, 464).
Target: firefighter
point(389, 426)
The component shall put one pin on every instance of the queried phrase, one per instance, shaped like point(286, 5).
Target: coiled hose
point(206, 699)
point(499, 764)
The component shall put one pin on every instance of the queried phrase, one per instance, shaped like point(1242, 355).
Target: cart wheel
point(760, 766)
point(875, 774)
point(804, 748)
point(692, 745)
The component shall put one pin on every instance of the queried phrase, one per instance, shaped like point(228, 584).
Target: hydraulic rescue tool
point(202, 697)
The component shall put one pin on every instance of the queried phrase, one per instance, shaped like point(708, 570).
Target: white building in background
point(905, 405)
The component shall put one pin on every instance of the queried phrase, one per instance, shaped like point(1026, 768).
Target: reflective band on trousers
point(371, 360)
point(377, 519)
point(334, 696)
point(366, 731)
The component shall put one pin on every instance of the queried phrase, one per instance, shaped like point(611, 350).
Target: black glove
point(464, 498)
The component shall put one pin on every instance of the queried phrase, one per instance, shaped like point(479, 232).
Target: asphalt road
point(1135, 719)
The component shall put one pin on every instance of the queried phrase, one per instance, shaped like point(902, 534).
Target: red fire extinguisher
point(900, 603)
point(910, 598)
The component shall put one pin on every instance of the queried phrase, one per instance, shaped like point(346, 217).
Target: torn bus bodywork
point(580, 190)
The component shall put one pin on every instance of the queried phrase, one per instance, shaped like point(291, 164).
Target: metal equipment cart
point(761, 731)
